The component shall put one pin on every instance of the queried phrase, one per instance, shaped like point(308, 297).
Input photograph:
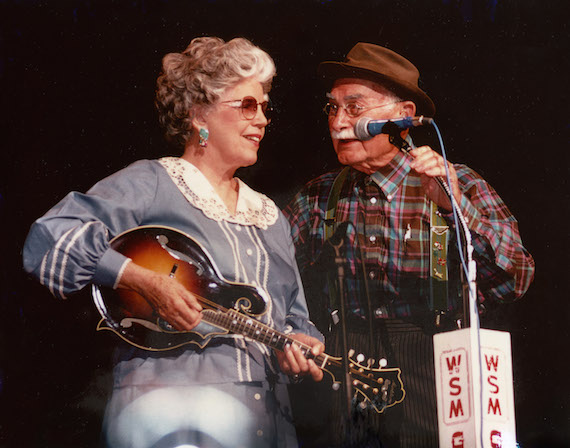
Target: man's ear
point(408, 109)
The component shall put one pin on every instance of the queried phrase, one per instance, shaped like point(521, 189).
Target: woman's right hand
point(171, 301)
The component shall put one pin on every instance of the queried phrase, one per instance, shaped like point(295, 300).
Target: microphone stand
point(339, 262)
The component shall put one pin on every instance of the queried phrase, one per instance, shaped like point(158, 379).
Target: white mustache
point(345, 134)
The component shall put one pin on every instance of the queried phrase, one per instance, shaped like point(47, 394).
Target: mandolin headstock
point(378, 387)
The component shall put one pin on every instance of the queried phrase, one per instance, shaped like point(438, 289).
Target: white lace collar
point(253, 208)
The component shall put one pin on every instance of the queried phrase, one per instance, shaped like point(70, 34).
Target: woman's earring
point(203, 134)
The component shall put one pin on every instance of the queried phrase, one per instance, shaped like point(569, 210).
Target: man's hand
point(293, 362)
point(430, 165)
point(172, 301)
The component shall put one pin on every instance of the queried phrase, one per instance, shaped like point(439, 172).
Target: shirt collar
point(390, 177)
point(252, 208)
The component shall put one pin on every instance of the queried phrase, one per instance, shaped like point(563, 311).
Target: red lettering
point(496, 439)
point(455, 363)
point(495, 407)
point(456, 408)
point(457, 440)
point(495, 386)
point(453, 385)
point(492, 361)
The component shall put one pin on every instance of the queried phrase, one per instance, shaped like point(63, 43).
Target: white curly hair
point(196, 78)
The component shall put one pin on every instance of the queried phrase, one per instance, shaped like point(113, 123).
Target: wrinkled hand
point(172, 301)
point(430, 165)
point(293, 362)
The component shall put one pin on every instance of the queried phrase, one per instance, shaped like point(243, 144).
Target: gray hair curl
point(196, 78)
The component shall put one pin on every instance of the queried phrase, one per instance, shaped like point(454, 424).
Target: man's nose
point(340, 120)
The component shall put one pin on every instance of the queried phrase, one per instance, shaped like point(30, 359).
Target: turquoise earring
point(203, 134)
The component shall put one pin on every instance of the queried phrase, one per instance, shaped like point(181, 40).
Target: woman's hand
point(293, 362)
point(172, 301)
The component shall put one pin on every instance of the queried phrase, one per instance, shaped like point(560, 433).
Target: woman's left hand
point(293, 362)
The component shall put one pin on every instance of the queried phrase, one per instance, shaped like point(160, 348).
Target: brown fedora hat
point(385, 67)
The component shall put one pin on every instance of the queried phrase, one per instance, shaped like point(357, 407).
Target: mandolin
point(228, 307)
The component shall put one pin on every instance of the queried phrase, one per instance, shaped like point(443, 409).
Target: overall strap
point(334, 195)
point(330, 225)
point(439, 231)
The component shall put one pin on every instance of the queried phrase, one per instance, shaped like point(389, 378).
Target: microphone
point(366, 128)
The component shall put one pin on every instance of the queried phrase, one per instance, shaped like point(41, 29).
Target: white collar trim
point(253, 208)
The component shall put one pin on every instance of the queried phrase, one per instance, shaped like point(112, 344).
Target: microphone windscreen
point(361, 129)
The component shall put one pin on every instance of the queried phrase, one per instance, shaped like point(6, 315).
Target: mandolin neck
point(239, 323)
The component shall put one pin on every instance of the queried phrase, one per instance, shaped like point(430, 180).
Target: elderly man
point(401, 280)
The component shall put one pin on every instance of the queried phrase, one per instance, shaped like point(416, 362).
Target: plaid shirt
point(389, 228)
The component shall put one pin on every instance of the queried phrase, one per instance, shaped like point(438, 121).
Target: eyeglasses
point(248, 106)
point(353, 110)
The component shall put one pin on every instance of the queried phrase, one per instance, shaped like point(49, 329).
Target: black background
point(77, 104)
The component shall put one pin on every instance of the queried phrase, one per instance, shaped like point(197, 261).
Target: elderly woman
point(212, 100)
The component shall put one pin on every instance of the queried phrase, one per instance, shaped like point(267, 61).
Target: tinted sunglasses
point(248, 107)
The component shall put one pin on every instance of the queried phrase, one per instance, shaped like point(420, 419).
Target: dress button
point(372, 238)
point(371, 274)
point(238, 227)
point(249, 252)
point(259, 433)
point(257, 397)
point(373, 200)
point(378, 312)
point(389, 197)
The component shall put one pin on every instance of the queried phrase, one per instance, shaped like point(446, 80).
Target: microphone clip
point(395, 138)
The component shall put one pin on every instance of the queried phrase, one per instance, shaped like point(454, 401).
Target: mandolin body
point(168, 251)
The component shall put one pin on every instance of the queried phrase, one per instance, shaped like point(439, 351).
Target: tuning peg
point(360, 358)
point(370, 363)
point(362, 405)
point(383, 362)
point(351, 353)
point(336, 385)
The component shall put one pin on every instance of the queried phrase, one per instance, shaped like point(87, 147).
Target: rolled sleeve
point(110, 268)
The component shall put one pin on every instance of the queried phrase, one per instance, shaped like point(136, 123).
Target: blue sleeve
point(297, 313)
point(68, 247)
